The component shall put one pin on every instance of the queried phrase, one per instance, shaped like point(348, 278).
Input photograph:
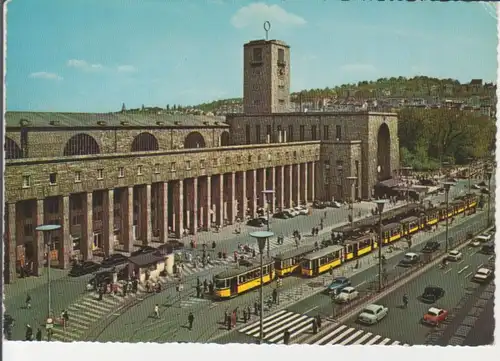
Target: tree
point(168, 107)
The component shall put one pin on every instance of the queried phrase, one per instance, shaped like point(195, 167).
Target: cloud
point(260, 12)
point(83, 65)
point(126, 68)
point(45, 75)
point(361, 68)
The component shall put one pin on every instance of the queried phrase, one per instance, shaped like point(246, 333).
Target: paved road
point(136, 325)
point(321, 304)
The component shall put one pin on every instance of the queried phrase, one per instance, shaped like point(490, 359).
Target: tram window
point(349, 248)
point(220, 283)
point(242, 279)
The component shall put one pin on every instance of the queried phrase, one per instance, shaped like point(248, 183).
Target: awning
point(147, 259)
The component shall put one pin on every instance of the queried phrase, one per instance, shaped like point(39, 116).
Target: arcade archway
point(383, 153)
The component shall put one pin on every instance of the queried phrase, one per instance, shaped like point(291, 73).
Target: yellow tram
point(391, 232)
point(359, 247)
point(411, 225)
point(289, 262)
point(321, 261)
point(233, 282)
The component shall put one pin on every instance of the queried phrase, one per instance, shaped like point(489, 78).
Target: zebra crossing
point(84, 313)
point(193, 301)
point(189, 269)
point(300, 326)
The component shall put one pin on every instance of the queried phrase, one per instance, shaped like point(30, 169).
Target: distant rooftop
point(101, 120)
point(265, 42)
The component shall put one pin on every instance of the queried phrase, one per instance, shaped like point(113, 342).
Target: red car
point(434, 316)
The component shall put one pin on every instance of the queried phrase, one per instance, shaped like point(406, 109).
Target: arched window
point(145, 142)
point(81, 144)
point(12, 150)
point(224, 139)
point(194, 140)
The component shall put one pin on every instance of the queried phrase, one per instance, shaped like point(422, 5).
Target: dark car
point(432, 294)
point(319, 205)
point(281, 215)
point(107, 277)
point(409, 260)
point(114, 260)
point(488, 249)
point(431, 246)
point(337, 285)
point(84, 269)
point(143, 250)
point(257, 222)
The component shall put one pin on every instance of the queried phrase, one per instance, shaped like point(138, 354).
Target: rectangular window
point(325, 132)
point(338, 132)
point(26, 181)
point(290, 133)
point(172, 167)
point(247, 134)
point(157, 168)
point(100, 173)
point(302, 133)
point(53, 178)
point(281, 56)
point(139, 170)
point(121, 172)
point(202, 164)
point(257, 55)
point(313, 132)
point(268, 130)
point(28, 229)
point(78, 177)
point(257, 133)
point(188, 164)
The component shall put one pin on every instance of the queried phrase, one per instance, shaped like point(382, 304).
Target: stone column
point(280, 187)
point(194, 205)
point(297, 179)
point(127, 226)
point(313, 181)
point(220, 200)
point(207, 203)
point(252, 193)
point(288, 186)
point(38, 238)
point(178, 194)
point(304, 183)
point(66, 243)
point(11, 244)
point(163, 211)
point(108, 222)
point(262, 183)
point(272, 186)
point(241, 194)
point(231, 204)
point(145, 215)
point(87, 234)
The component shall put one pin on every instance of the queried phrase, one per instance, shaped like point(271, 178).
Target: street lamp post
point(352, 181)
point(407, 173)
point(262, 237)
point(380, 206)
point(470, 159)
point(447, 186)
point(488, 175)
point(266, 193)
point(47, 229)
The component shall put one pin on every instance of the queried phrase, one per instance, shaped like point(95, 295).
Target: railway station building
point(116, 180)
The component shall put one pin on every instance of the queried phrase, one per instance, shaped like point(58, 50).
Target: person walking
point(190, 320)
point(157, 311)
point(38, 335)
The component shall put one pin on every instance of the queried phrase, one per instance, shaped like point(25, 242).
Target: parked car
point(281, 215)
point(475, 186)
point(431, 246)
point(319, 205)
point(434, 316)
point(143, 250)
point(301, 210)
point(290, 212)
point(484, 237)
point(409, 260)
point(337, 285)
point(488, 249)
point(106, 277)
point(432, 294)
point(347, 294)
point(114, 260)
point(84, 268)
point(454, 256)
point(257, 222)
point(482, 275)
point(372, 314)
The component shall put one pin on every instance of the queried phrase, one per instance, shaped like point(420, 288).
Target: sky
point(94, 55)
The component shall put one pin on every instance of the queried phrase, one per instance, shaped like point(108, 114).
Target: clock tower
point(266, 79)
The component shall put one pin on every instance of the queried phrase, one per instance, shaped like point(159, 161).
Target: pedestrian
point(228, 322)
point(253, 252)
point(29, 333)
point(49, 334)
point(249, 313)
point(275, 296)
point(157, 311)
point(314, 326)
point(245, 317)
point(205, 286)
point(28, 301)
point(198, 282)
point(124, 289)
point(318, 321)
point(286, 337)
point(38, 335)
point(256, 308)
point(211, 287)
point(190, 320)
point(65, 317)
point(198, 291)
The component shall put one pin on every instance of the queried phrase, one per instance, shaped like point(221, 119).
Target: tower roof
point(267, 42)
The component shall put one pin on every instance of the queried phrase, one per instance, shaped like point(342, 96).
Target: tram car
point(234, 282)
point(321, 261)
point(289, 262)
point(359, 247)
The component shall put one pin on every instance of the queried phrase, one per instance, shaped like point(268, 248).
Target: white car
point(301, 210)
point(346, 295)
point(454, 256)
point(482, 275)
point(475, 242)
point(372, 314)
point(291, 212)
point(475, 186)
point(485, 237)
